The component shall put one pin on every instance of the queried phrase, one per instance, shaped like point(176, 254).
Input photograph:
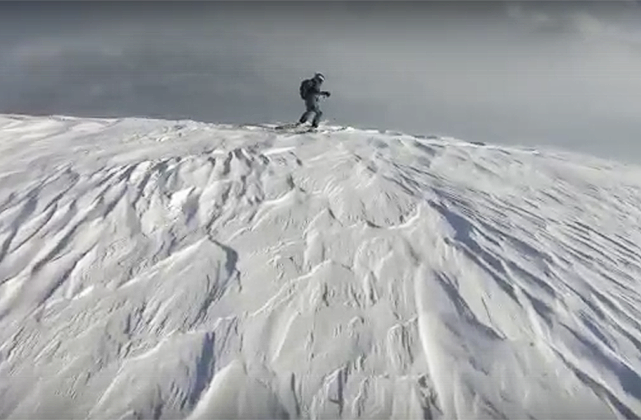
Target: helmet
point(319, 77)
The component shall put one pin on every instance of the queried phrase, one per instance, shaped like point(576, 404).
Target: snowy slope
point(161, 269)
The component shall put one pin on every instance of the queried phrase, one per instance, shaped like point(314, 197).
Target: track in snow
point(164, 269)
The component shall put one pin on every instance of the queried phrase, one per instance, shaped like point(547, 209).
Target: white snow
point(174, 269)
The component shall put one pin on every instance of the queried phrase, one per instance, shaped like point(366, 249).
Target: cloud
point(560, 74)
point(587, 19)
point(531, 19)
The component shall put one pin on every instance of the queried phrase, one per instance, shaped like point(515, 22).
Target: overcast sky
point(561, 73)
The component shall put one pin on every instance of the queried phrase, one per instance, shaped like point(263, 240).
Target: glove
point(327, 94)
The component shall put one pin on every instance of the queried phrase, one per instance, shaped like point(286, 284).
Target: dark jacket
point(314, 91)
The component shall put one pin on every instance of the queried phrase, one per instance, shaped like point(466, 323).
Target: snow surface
point(174, 269)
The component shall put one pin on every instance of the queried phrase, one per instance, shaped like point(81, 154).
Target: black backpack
point(305, 86)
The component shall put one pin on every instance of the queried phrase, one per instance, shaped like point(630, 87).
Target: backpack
point(305, 86)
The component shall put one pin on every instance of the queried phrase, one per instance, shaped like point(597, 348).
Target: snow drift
point(174, 269)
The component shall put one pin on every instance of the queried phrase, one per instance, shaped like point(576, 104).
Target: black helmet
point(319, 77)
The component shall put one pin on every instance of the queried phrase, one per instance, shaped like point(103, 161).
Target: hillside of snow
point(174, 269)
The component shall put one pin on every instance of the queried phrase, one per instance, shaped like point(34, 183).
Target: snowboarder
point(310, 92)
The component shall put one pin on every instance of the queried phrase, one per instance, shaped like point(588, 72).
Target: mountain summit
point(175, 269)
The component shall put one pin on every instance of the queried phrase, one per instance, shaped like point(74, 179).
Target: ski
point(286, 126)
point(296, 128)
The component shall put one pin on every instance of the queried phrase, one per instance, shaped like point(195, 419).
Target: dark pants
point(311, 107)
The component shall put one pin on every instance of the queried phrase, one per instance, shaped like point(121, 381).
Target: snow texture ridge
point(175, 269)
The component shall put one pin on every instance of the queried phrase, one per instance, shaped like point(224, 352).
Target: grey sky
point(566, 74)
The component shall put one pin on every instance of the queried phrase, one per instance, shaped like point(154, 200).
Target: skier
point(310, 92)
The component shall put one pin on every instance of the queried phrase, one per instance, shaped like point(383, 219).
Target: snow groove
point(163, 269)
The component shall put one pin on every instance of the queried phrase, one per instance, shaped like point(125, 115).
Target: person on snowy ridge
point(310, 92)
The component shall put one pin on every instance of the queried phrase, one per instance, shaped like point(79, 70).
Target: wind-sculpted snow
point(156, 269)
